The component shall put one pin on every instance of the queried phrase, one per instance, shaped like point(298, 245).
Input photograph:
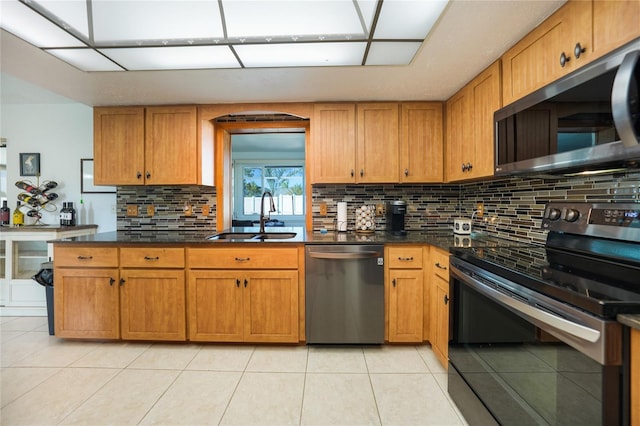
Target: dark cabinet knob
point(446, 299)
point(564, 59)
point(352, 173)
point(393, 282)
point(578, 50)
point(361, 172)
point(139, 175)
point(111, 281)
point(148, 175)
point(121, 282)
point(237, 283)
point(406, 172)
point(245, 283)
point(464, 167)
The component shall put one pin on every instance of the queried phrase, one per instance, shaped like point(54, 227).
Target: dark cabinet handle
point(111, 281)
point(464, 167)
point(151, 258)
point(564, 59)
point(237, 283)
point(121, 282)
point(361, 172)
point(242, 259)
point(446, 299)
point(139, 175)
point(245, 283)
point(85, 257)
point(469, 166)
point(439, 266)
point(405, 259)
point(406, 172)
point(393, 282)
point(352, 173)
point(148, 175)
point(578, 50)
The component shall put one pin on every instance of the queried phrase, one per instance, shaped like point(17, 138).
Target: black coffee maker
point(395, 217)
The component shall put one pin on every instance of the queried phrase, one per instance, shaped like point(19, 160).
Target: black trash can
point(44, 277)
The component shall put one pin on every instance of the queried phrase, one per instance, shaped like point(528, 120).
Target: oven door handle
point(554, 321)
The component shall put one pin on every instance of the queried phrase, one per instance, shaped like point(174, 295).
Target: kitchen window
point(284, 179)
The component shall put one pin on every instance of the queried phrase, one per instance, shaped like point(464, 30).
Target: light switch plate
point(132, 211)
point(323, 209)
point(188, 210)
point(205, 210)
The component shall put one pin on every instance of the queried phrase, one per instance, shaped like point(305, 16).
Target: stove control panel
point(609, 220)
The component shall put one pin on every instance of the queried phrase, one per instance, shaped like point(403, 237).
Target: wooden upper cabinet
point(470, 140)
point(118, 146)
point(614, 24)
point(147, 146)
point(171, 149)
point(421, 143)
point(333, 135)
point(378, 149)
point(536, 60)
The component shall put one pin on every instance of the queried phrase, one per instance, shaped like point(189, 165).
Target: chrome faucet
point(272, 208)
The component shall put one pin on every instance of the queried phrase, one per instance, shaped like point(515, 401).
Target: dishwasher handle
point(344, 255)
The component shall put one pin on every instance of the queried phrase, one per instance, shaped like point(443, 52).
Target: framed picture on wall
point(86, 179)
point(29, 164)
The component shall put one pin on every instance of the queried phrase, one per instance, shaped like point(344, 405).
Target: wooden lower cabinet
point(87, 303)
point(439, 277)
point(153, 304)
point(245, 294)
point(404, 294)
point(635, 377)
point(243, 306)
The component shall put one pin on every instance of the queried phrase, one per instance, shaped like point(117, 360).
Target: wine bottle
point(5, 213)
point(63, 215)
point(72, 214)
point(18, 216)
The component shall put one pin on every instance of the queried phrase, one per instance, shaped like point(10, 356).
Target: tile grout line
point(235, 389)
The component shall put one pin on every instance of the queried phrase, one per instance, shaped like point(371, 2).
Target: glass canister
point(365, 219)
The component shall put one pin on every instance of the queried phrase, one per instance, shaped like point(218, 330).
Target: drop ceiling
point(469, 35)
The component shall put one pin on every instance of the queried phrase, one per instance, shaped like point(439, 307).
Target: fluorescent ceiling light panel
point(72, 13)
point(18, 19)
point(301, 54)
point(388, 53)
point(176, 58)
point(85, 59)
point(137, 21)
point(408, 19)
point(279, 19)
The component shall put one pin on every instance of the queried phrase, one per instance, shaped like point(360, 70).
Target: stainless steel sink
point(253, 236)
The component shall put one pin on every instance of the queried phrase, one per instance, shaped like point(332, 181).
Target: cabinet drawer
point(151, 257)
point(82, 256)
point(405, 257)
point(243, 258)
point(440, 263)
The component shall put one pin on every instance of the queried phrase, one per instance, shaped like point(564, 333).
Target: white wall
point(63, 134)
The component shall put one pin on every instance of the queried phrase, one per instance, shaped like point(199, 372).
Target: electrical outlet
point(480, 209)
point(188, 209)
point(132, 211)
point(379, 209)
point(323, 209)
point(151, 210)
point(205, 210)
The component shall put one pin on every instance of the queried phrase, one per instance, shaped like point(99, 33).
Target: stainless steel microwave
point(587, 120)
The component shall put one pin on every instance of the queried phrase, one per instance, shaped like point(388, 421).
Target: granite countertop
point(439, 237)
point(629, 320)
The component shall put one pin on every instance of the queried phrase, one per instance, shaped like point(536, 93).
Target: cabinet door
point(171, 149)
point(614, 24)
point(486, 99)
point(405, 305)
point(215, 306)
point(271, 306)
point(86, 303)
point(458, 123)
point(153, 304)
point(421, 143)
point(535, 60)
point(378, 144)
point(440, 303)
point(333, 143)
point(118, 146)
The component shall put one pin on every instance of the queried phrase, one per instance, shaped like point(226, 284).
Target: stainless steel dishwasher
point(345, 294)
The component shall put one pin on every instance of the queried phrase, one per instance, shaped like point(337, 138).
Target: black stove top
point(591, 259)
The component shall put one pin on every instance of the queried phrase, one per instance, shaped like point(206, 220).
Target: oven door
point(510, 368)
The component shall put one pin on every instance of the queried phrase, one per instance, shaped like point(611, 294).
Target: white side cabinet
point(22, 251)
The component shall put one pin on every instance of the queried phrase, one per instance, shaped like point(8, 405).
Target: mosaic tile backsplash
point(513, 206)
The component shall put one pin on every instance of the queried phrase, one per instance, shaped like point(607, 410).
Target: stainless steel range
point(534, 336)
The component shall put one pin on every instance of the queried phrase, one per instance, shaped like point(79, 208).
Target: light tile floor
point(47, 381)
